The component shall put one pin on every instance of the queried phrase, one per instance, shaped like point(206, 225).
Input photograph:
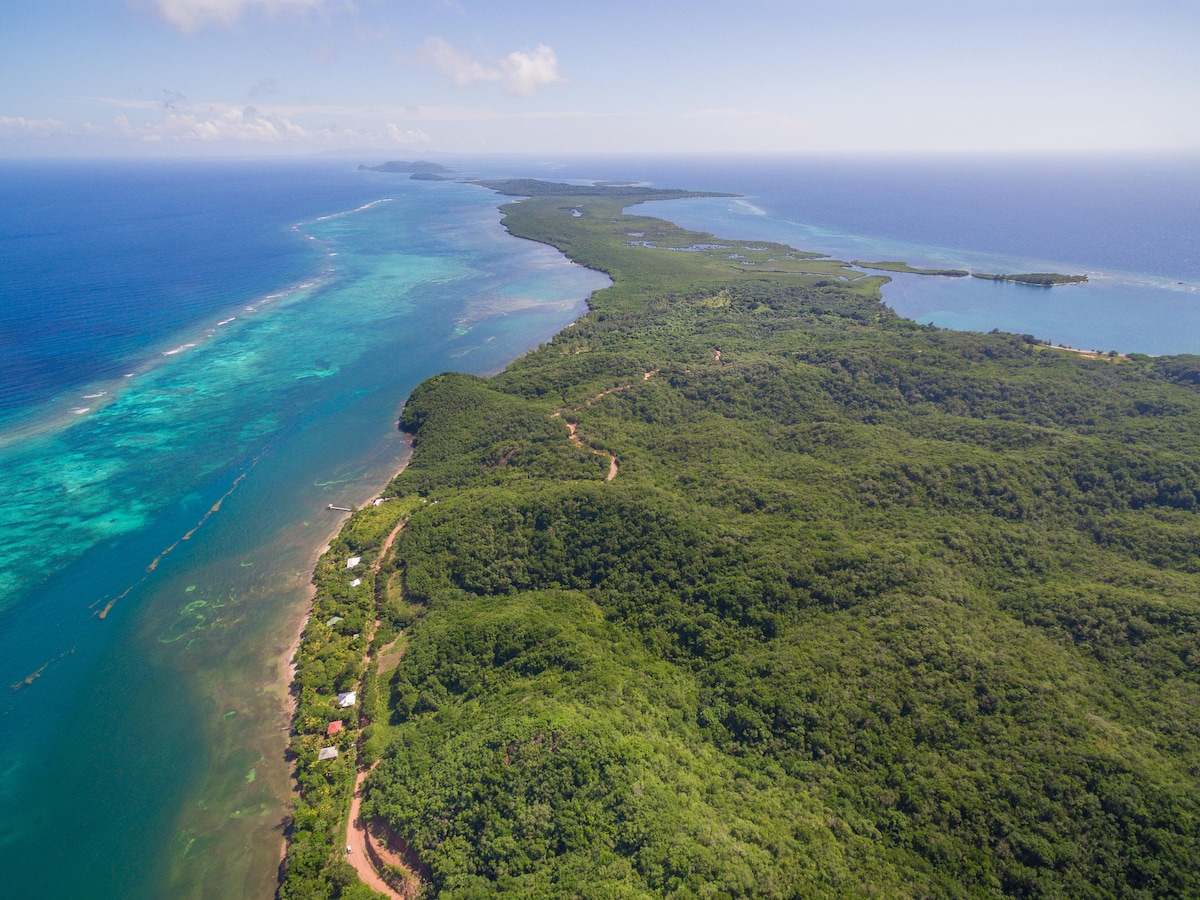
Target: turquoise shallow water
point(144, 749)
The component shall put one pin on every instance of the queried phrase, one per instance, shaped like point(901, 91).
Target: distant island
point(1037, 279)
point(404, 167)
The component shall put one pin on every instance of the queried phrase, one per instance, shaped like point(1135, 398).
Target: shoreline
point(288, 663)
point(286, 682)
point(288, 666)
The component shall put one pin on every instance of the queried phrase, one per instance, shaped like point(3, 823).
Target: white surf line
point(348, 212)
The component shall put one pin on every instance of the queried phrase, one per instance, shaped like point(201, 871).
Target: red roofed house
point(334, 727)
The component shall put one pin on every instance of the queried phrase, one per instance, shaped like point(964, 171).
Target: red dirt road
point(356, 840)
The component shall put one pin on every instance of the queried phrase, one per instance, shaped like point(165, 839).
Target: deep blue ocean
point(179, 336)
point(102, 261)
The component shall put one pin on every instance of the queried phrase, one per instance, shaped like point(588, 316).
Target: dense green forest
point(743, 586)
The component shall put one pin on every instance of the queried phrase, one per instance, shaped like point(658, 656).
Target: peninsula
point(743, 585)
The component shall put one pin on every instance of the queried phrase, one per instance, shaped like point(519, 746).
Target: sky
point(418, 78)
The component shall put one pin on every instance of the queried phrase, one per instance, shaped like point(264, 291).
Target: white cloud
point(19, 125)
point(221, 123)
point(525, 72)
point(521, 72)
point(232, 124)
point(459, 67)
point(406, 136)
point(427, 113)
point(190, 15)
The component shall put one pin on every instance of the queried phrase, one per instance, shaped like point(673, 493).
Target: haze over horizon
point(298, 77)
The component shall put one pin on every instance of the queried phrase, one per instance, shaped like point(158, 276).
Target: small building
point(356, 582)
point(347, 698)
point(353, 561)
point(327, 753)
point(332, 620)
point(334, 728)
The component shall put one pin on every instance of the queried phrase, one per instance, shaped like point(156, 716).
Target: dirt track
point(356, 839)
